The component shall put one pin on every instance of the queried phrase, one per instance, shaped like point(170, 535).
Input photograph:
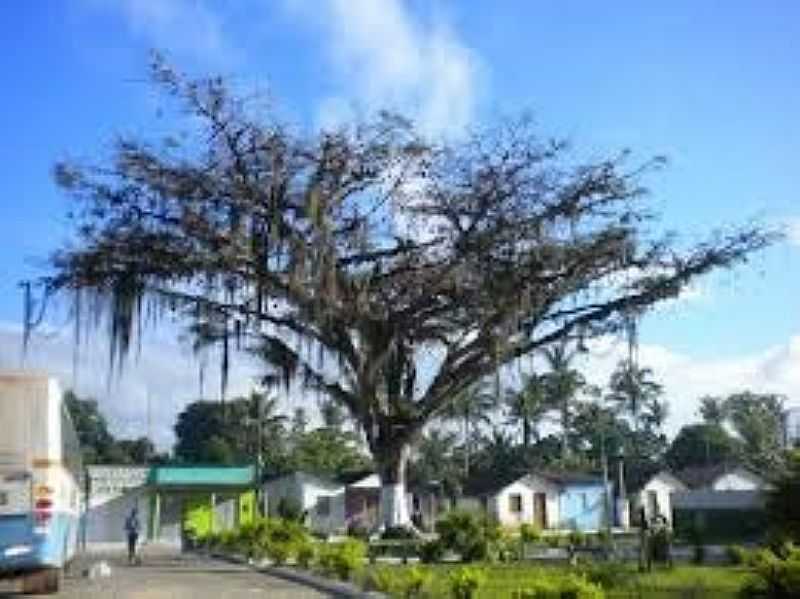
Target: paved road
point(168, 576)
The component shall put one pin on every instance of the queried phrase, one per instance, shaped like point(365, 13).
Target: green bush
point(289, 509)
point(774, 576)
point(530, 533)
point(563, 586)
point(737, 555)
point(577, 539)
point(464, 582)
point(400, 533)
point(306, 552)
point(431, 552)
point(462, 532)
point(343, 559)
point(608, 575)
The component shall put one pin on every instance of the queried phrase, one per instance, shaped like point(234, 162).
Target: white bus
point(40, 481)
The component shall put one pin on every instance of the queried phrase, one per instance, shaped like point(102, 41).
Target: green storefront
point(199, 500)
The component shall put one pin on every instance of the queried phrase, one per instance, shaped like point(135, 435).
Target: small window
point(584, 501)
point(515, 503)
point(324, 506)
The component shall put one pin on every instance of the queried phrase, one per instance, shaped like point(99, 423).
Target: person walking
point(132, 530)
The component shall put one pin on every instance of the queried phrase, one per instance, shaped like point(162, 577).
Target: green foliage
point(737, 555)
point(576, 538)
point(431, 552)
point(342, 559)
point(306, 553)
point(530, 533)
point(98, 445)
point(608, 575)
point(559, 586)
point(472, 536)
point(464, 582)
point(702, 445)
point(289, 509)
point(774, 576)
point(398, 533)
point(783, 503)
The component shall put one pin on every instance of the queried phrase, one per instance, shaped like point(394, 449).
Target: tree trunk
point(394, 505)
point(526, 432)
point(466, 447)
point(565, 431)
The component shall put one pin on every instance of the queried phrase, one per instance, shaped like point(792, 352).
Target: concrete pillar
point(213, 510)
point(157, 518)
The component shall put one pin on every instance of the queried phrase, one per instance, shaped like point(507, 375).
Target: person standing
point(132, 530)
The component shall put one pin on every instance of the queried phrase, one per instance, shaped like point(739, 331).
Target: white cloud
point(686, 378)
point(387, 59)
point(166, 372)
point(189, 28)
point(792, 228)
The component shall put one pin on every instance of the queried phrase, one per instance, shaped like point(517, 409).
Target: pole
point(606, 498)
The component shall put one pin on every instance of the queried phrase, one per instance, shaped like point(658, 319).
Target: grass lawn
point(682, 581)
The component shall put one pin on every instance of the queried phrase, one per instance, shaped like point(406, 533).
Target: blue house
point(550, 500)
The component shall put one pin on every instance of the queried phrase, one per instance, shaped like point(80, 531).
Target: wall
point(582, 507)
point(306, 491)
point(664, 490)
point(500, 505)
point(114, 490)
point(334, 521)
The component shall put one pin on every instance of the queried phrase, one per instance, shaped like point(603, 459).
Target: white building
point(655, 496)
point(321, 500)
point(113, 492)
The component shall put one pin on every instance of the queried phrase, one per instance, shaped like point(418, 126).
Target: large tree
point(385, 269)
point(703, 445)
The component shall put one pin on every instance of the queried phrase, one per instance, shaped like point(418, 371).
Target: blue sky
point(714, 86)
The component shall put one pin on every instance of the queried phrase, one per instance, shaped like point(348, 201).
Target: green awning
point(202, 476)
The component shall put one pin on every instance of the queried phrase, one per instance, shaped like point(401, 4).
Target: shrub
point(342, 559)
point(530, 533)
point(383, 580)
point(608, 575)
point(463, 533)
point(774, 576)
point(569, 586)
point(400, 533)
point(357, 530)
point(577, 539)
point(290, 509)
point(555, 540)
point(431, 552)
point(464, 582)
point(306, 551)
point(737, 555)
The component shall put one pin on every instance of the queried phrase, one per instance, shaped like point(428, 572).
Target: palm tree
point(528, 406)
point(435, 460)
point(563, 382)
point(632, 389)
point(471, 407)
point(655, 414)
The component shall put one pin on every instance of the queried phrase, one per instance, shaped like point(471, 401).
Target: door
point(540, 510)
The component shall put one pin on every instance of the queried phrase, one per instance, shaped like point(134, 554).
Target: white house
point(322, 501)
point(720, 487)
point(722, 478)
point(655, 496)
point(531, 499)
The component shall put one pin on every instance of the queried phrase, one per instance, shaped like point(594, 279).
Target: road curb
point(318, 583)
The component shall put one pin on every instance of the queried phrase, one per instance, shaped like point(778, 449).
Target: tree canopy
point(385, 269)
